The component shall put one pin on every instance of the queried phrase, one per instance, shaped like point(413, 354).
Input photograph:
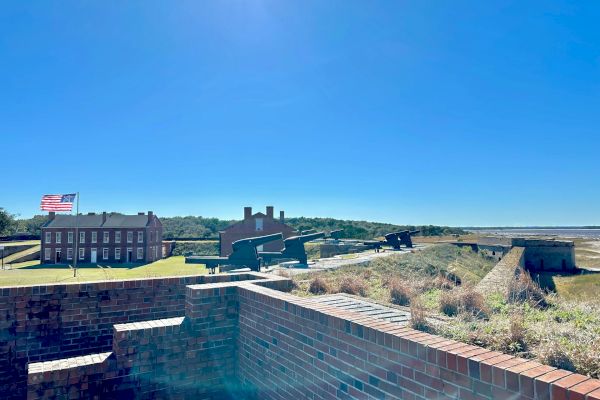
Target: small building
point(258, 224)
point(105, 238)
point(540, 254)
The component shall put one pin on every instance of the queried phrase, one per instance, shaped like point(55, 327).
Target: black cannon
point(405, 238)
point(336, 234)
point(307, 232)
point(293, 249)
point(392, 239)
point(244, 254)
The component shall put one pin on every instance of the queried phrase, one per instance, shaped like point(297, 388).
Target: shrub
point(319, 285)
point(463, 300)
point(418, 315)
point(353, 285)
point(400, 292)
point(523, 289)
point(556, 355)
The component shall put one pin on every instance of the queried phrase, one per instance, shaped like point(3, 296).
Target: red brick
point(579, 391)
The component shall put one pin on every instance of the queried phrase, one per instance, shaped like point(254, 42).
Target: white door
point(94, 256)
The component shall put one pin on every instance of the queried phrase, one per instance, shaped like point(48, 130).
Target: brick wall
point(247, 340)
point(48, 322)
point(291, 348)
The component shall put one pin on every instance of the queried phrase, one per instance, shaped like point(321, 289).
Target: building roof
point(95, 221)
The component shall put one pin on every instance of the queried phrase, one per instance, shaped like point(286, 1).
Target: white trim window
point(70, 237)
point(140, 253)
point(105, 253)
point(48, 237)
point(151, 236)
point(81, 253)
point(70, 253)
point(117, 253)
point(81, 237)
point(118, 237)
point(58, 237)
point(106, 237)
point(47, 253)
point(94, 236)
point(129, 237)
point(140, 237)
point(259, 224)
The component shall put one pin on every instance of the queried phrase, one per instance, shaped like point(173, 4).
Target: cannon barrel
point(336, 234)
point(256, 241)
point(308, 231)
point(414, 232)
point(304, 238)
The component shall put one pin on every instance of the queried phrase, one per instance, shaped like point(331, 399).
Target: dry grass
point(354, 285)
point(418, 315)
point(318, 285)
point(400, 292)
point(463, 300)
point(523, 289)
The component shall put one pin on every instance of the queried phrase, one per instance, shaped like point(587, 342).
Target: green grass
point(582, 287)
point(24, 242)
point(32, 272)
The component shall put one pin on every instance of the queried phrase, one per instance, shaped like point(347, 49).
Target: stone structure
point(252, 225)
point(503, 273)
point(239, 336)
point(101, 238)
point(540, 254)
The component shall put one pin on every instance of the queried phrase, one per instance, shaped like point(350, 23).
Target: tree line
point(208, 228)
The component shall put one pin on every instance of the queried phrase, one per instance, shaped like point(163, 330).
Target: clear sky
point(441, 112)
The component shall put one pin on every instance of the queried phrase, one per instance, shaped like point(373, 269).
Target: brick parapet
point(252, 341)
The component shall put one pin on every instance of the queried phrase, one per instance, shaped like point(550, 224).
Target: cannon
point(405, 238)
point(244, 254)
point(336, 234)
point(293, 249)
point(308, 231)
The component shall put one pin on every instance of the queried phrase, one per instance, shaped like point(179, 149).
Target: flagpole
point(76, 255)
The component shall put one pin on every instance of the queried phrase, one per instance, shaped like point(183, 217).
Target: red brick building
point(102, 239)
point(258, 224)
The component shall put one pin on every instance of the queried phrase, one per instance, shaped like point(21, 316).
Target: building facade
point(258, 224)
point(101, 238)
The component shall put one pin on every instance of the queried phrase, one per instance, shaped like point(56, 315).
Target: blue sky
point(457, 113)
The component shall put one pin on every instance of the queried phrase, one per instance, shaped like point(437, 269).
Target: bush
point(353, 285)
point(200, 248)
point(400, 292)
point(460, 300)
point(418, 315)
point(319, 285)
point(523, 289)
point(552, 353)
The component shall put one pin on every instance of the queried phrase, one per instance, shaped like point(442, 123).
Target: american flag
point(57, 202)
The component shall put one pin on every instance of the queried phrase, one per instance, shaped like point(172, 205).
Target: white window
point(106, 237)
point(48, 237)
point(94, 237)
point(151, 236)
point(69, 237)
point(259, 224)
point(81, 253)
point(117, 254)
point(105, 253)
point(81, 237)
point(140, 237)
point(140, 253)
point(118, 237)
point(58, 237)
point(129, 237)
point(69, 253)
point(47, 252)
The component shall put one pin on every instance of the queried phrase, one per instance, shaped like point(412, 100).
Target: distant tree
point(32, 225)
point(7, 221)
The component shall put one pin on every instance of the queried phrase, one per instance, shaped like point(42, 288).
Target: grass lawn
point(578, 287)
point(32, 272)
point(27, 242)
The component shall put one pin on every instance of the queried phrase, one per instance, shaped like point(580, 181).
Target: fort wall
point(247, 339)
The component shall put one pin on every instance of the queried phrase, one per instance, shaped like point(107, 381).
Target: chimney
point(103, 216)
point(141, 213)
point(269, 211)
point(247, 212)
point(91, 213)
point(51, 215)
point(281, 216)
point(150, 216)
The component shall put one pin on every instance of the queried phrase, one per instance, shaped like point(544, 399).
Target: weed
point(318, 285)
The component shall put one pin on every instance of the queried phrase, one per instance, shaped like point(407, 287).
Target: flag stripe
point(57, 202)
